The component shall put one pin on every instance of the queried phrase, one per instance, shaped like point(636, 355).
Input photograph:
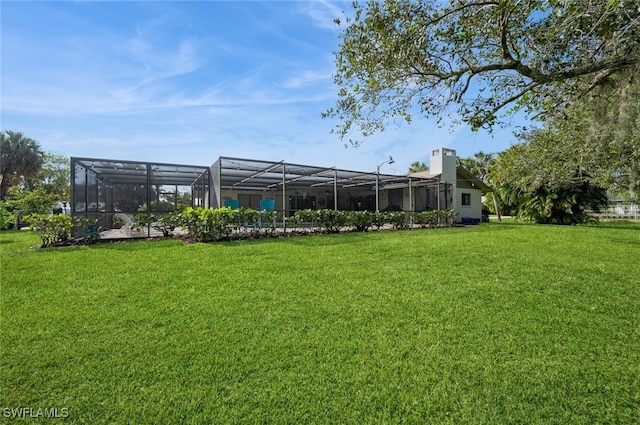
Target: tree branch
point(506, 53)
point(515, 97)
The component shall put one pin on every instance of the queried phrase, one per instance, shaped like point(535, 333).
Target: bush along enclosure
point(208, 225)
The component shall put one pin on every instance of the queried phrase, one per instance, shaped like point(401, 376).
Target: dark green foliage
point(398, 219)
point(306, 216)
point(90, 229)
point(541, 181)
point(332, 220)
point(21, 160)
point(567, 205)
point(6, 218)
point(205, 225)
point(362, 220)
point(21, 203)
point(53, 229)
point(434, 218)
point(266, 218)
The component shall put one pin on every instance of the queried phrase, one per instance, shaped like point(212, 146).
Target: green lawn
point(495, 324)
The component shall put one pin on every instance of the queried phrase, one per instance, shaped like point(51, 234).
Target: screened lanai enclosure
point(294, 187)
point(108, 190)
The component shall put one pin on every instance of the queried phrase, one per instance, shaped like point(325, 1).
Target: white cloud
point(325, 12)
point(305, 79)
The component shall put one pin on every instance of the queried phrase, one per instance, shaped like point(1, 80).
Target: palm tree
point(478, 164)
point(467, 163)
point(418, 166)
point(22, 159)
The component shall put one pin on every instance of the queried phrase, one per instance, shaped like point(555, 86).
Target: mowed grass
point(499, 323)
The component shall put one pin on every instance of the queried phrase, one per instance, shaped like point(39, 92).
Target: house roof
point(466, 175)
point(461, 174)
point(252, 174)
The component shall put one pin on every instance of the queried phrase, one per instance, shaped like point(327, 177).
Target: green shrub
point(90, 229)
point(361, 220)
point(6, 216)
point(398, 219)
point(266, 217)
point(167, 223)
point(567, 205)
point(205, 224)
point(378, 219)
point(292, 221)
point(426, 218)
point(143, 220)
point(306, 216)
point(53, 229)
point(332, 220)
point(451, 216)
point(244, 216)
point(30, 202)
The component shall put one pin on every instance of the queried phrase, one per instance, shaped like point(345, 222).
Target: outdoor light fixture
point(389, 161)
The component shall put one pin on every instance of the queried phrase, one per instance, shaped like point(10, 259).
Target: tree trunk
point(495, 206)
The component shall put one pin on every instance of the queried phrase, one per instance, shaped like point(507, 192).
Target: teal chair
point(268, 204)
point(234, 204)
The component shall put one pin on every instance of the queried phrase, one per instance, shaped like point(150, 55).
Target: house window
point(466, 199)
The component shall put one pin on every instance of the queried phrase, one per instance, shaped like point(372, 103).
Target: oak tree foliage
point(475, 61)
point(595, 140)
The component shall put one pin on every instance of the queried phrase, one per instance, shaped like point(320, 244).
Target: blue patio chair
point(268, 204)
point(234, 204)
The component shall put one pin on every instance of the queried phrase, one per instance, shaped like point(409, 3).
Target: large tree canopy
point(544, 187)
point(613, 128)
point(54, 176)
point(596, 140)
point(473, 60)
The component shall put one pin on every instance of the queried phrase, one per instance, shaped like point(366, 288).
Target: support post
point(335, 190)
point(284, 197)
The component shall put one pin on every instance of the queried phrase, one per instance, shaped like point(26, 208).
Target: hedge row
point(332, 221)
point(206, 225)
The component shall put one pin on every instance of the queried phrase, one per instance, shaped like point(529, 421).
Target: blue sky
point(187, 82)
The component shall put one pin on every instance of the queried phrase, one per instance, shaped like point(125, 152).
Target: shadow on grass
point(618, 225)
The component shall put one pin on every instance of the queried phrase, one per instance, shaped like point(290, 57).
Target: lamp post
point(389, 161)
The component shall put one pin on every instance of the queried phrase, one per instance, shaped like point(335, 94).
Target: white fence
point(619, 211)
